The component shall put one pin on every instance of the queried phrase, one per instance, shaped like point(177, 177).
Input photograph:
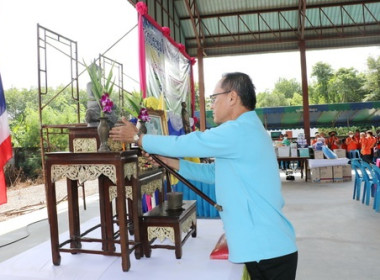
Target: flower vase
point(142, 128)
point(103, 132)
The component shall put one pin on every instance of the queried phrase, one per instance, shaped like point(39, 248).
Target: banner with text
point(168, 71)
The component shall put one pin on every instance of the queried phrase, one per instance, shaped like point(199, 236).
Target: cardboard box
point(289, 133)
point(315, 176)
point(326, 174)
point(304, 152)
point(284, 151)
point(347, 173)
point(338, 173)
point(341, 153)
point(294, 152)
point(318, 154)
point(293, 145)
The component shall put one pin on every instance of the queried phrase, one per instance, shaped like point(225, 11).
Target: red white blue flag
point(5, 144)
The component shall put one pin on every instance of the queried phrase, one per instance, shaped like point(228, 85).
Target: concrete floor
point(338, 238)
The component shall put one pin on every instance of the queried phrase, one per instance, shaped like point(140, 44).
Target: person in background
point(257, 232)
point(376, 150)
point(322, 138)
point(286, 141)
point(367, 142)
point(321, 141)
point(372, 143)
point(301, 141)
point(362, 143)
point(352, 145)
point(281, 137)
point(333, 141)
point(357, 137)
point(343, 146)
point(283, 165)
point(314, 141)
point(319, 144)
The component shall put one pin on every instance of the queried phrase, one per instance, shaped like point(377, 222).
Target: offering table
point(111, 168)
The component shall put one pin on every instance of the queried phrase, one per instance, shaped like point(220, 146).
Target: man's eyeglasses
point(213, 96)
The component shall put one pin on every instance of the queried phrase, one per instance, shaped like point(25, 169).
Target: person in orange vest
point(367, 142)
point(314, 141)
point(343, 144)
point(333, 141)
point(373, 142)
point(357, 137)
point(352, 145)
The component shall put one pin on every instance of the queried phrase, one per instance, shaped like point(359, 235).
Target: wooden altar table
point(176, 225)
point(111, 168)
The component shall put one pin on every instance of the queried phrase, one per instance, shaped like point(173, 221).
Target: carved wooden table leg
point(52, 216)
point(73, 212)
point(106, 215)
point(136, 206)
point(121, 210)
point(177, 240)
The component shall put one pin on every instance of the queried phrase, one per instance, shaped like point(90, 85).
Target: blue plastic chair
point(354, 154)
point(376, 181)
point(356, 166)
point(367, 171)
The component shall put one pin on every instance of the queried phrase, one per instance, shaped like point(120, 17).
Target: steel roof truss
point(195, 21)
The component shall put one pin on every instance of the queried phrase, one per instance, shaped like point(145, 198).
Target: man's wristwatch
point(137, 137)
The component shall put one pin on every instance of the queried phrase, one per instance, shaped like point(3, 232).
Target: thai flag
point(5, 144)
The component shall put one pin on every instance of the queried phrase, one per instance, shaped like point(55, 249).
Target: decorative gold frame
point(158, 115)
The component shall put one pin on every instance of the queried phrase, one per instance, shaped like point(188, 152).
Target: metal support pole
point(305, 92)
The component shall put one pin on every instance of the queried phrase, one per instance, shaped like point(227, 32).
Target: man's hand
point(124, 133)
point(171, 162)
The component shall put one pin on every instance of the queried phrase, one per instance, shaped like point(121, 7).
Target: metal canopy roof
point(326, 115)
point(229, 27)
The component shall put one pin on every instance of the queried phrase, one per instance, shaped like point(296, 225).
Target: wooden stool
point(164, 224)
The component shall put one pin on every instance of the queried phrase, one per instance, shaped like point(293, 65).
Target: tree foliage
point(271, 99)
point(287, 87)
point(24, 121)
point(323, 73)
point(327, 86)
point(346, 85)
point(285, 93)
point(372, 81)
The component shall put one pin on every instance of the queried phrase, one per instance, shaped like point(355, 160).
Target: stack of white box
point(284, 151)
point(330, 170)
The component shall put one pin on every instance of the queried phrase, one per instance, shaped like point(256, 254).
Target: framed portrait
point(157, 124)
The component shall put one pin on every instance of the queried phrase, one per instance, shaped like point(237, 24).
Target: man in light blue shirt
point(245, 174)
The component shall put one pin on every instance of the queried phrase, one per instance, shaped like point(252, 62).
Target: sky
point(97, 24)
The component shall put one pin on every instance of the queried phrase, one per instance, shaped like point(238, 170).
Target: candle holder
point(175, 200)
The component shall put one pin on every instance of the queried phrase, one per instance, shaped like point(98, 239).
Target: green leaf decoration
point(98, 88)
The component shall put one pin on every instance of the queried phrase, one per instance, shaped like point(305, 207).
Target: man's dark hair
point(242, 84)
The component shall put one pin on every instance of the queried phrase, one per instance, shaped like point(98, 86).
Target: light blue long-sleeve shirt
point(247, 184)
